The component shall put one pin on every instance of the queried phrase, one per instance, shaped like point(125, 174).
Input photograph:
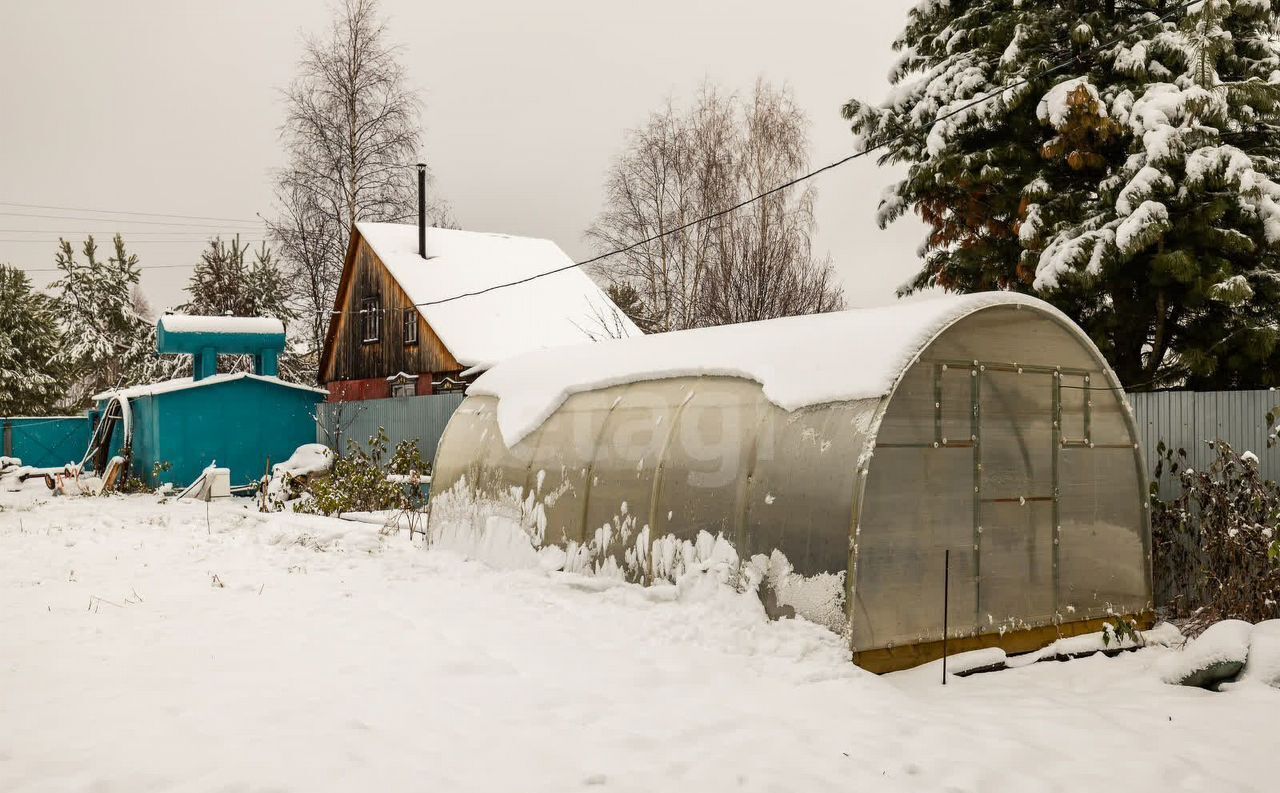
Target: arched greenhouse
point(828, 461)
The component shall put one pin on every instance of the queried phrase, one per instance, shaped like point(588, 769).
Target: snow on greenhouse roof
point(799, 361)
point(184, 323)
point(184, 383)
point(551, 311)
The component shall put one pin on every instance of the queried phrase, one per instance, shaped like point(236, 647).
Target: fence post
point(946, 603)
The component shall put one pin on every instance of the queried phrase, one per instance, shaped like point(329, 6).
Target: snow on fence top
point(183, 383)
point(799, 361)
point(551, 311)
point(183, 323)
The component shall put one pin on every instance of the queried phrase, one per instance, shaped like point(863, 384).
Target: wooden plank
point(893, 659)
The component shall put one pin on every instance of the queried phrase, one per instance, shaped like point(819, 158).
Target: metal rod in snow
point(946, 602)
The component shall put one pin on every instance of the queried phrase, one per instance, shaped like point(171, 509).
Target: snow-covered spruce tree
point(29, 342)
point(107, 343)
point(1146, 210)
point(224, 283)
point(965, 174)
point(1170, 257)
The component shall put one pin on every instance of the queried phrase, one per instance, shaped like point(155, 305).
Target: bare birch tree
point(755, 263)
point(353, 136)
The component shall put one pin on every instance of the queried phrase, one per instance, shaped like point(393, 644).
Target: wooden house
point(407, 324)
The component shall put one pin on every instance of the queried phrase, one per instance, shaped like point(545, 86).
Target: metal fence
point(420, 418)
point(44, 441)
point(1191, 419)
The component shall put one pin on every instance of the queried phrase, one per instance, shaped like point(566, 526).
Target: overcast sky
point(173, 106)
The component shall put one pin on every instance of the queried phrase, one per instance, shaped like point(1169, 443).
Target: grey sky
point(172, 106)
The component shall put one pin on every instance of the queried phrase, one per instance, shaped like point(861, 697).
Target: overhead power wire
point(1173, 12)
point(138, 267)
point(189, 234)
point(118, 221)
point(127, 212)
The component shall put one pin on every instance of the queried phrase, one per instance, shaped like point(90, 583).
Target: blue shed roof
point(183, 383)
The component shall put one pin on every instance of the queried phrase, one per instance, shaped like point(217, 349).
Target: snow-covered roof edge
point(791, 358)
point(191, 323)
point(184, 383)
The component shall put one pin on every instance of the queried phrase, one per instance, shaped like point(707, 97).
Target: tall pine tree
point(1133, 189)
point(30, 384)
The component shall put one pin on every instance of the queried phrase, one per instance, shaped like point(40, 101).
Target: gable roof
point(550, 311)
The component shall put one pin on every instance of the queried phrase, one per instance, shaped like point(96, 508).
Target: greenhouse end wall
point(1009, 443)
point(1005, 441)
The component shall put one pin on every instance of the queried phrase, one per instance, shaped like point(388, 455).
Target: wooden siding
point(347, 356)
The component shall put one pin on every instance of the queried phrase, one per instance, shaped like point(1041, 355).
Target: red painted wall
point(356, 390)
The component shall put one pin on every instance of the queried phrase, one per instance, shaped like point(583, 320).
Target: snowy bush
point(137, 484)
point(1216, 544)
point(359, 481)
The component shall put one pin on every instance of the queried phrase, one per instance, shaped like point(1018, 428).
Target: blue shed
point(243, 421)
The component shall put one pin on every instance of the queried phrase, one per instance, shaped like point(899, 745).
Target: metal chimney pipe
point(422, 209)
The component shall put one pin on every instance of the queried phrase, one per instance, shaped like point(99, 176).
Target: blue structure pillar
point(264, 363)
point(204, 363)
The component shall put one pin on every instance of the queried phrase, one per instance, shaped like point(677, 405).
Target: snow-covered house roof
point(564, 308)
point(862, 355)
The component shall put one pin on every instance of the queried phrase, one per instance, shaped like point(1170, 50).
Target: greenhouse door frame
point(1056, 374)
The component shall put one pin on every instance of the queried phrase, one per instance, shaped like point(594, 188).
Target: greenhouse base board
point(895, 659)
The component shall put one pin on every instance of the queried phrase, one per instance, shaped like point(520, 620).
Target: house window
point(449, 383)
point(411, 326)
point(371, 318)
point(404, 385)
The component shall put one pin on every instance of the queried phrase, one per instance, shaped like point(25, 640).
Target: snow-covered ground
point(141, 651)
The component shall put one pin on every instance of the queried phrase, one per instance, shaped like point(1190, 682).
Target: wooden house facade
point(378, 341)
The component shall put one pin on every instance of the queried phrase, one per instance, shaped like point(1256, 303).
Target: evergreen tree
point(29, 340)
point(1133, 190)
point(627, 298)
point(108, 343)
point(224, 284)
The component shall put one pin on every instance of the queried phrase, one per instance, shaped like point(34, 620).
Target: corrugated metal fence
point(420, 418)
point(1189, 420)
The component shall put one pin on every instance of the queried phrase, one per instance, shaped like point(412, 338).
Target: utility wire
point(118, 221)
point(126, 212)
point(1175, 11)
point(192, 234)
point(136, 267)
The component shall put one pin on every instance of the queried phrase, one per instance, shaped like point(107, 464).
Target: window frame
point(370, 319)
point(403, 387)
point(409, 318)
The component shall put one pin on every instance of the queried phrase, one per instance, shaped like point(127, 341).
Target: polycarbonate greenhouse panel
point(918, 503)
point(1005, 442)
